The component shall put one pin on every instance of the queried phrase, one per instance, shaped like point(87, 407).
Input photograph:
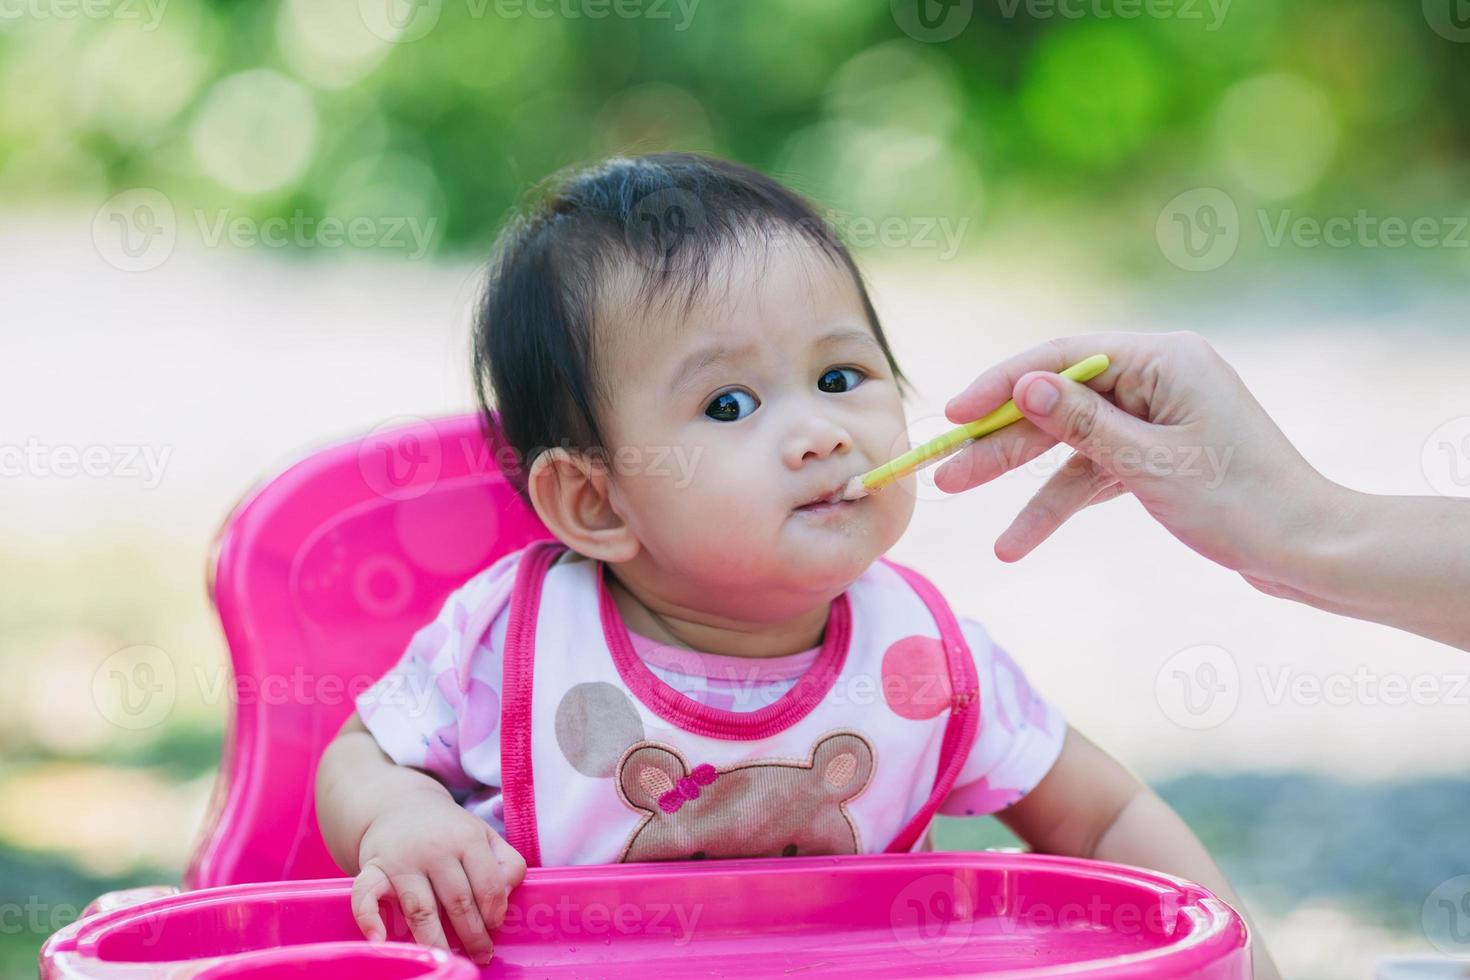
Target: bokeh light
point(327, 43)
point(1276, 134)
point(255, 131)
point(1092, 94)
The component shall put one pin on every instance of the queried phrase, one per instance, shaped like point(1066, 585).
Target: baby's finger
point(370, 885)
point(453, 888)
point(488, 883)
point(512, 865)
point(420, 910)
point(985, 459)
point(1066, 492)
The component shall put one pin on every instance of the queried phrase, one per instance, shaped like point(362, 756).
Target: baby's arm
point(400, 831)
point(1089, 806)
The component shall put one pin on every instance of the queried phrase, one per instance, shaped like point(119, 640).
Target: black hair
point(666, 217)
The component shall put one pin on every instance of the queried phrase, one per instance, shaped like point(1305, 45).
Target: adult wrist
point(1314, 556)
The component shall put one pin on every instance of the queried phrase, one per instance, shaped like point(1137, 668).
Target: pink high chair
point(321, 577)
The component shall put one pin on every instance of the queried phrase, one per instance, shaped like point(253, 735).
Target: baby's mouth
point(825, 500)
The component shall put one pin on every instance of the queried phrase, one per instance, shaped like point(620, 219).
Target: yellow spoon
point(941, 446)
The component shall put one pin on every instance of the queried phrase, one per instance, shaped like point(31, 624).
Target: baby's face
point(765, 394)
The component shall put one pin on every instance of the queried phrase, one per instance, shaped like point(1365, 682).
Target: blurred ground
point(1336, 820)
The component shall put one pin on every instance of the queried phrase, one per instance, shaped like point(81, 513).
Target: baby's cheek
point(894, 516)
point(729, 530)
point(901, 502)
point(724, 488)
point(711, 505)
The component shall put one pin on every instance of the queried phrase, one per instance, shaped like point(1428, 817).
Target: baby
point(711, 660)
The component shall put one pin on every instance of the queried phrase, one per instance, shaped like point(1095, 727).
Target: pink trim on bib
point(518, 789)
point(679, 709)
point(964, 714)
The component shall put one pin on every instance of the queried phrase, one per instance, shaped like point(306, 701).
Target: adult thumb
point(1075, 414)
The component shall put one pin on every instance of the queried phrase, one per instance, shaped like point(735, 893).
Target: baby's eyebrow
point(849, 335)
point(697, 361)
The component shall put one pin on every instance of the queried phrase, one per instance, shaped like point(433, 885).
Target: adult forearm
point(1401, 561)
point(356, 782)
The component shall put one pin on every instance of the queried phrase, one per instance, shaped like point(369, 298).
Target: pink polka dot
point(481, 714)
point(441, 756)
point(1031, 709)
point(980, 797)
point(448, 684)
point(916, 678)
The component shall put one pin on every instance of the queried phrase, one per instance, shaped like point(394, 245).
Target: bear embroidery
point(752, 809)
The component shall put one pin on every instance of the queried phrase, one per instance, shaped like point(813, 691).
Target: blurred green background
point(1078, 111)
point(176, 178)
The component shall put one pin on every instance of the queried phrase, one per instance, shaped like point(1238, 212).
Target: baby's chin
point(831, 557)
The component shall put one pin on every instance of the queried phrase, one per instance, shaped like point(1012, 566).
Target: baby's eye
point(837, 379)
point(726, 407)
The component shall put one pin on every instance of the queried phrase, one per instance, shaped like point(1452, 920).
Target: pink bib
point(603, 762)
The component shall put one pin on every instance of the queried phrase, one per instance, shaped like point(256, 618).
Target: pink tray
point(1009, 915)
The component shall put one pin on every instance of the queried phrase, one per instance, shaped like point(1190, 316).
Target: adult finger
point(994, 387)
point(452, 887)
point(1075, 414)
point(368, 888)
point(987, 458)
point(1076, 485)
point(420, 910)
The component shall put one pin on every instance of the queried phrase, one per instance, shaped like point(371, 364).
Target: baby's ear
point(844, 763)
point(571, 492)
point(648, 771)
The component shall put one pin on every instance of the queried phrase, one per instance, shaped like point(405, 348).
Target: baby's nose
point(816, 438)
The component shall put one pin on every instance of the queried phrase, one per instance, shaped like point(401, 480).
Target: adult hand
point(1169, 422)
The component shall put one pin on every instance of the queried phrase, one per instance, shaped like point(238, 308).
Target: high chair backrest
point(320, 578)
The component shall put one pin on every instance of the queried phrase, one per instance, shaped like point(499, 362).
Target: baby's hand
point(430, 848)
